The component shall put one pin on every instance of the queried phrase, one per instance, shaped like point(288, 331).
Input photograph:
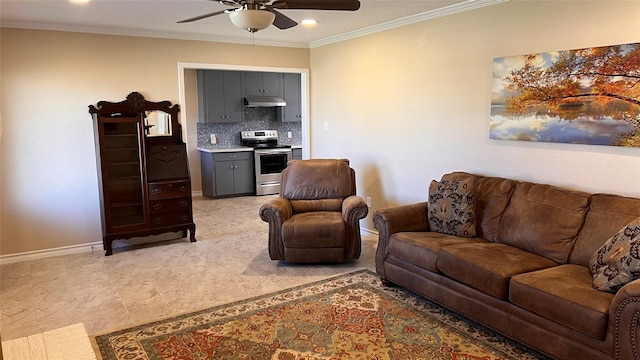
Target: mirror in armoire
point(157, 123)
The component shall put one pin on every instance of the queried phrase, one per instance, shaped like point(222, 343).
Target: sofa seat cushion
point(564, 294)
point(488, 267)
point(422, 248)
point(318, 229)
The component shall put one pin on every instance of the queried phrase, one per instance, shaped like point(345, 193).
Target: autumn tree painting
point(588, 96)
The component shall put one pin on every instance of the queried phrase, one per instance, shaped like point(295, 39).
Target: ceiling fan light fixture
point(309, 22)
point(252, 20)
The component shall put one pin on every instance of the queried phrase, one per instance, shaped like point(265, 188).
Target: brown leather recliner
point(317, 216)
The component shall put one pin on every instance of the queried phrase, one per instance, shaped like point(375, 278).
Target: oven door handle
point(272, 151)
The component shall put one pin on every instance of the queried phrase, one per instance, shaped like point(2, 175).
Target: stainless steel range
point(270, 159)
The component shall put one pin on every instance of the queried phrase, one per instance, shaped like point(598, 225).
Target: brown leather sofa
point(525, 273)
point(317, 216)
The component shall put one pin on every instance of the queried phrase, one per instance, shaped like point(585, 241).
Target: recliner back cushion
point(317, 184)
point(543, 219)
point(491, 197)
point(607, 215)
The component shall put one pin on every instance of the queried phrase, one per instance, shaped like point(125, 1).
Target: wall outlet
point(214, 140)
point(289, 134)
point(326, 126)
point(369, 201)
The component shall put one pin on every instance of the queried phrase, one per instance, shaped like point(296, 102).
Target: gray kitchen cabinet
point(262, 83)
point(220, 96)
point(296, 154)
point(293, 97)
point(227, 174)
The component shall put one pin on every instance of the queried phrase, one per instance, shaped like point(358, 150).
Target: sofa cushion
point(452, 207)
point(607, 214)
point(488, 267)
point(563, 294)
point(491, 196)
point(422, 248)
point(543, 219)
point(617, 262)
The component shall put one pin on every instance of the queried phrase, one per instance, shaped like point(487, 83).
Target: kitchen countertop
point(225, 149)
point(235, 149)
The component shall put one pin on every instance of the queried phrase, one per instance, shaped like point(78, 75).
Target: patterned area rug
point(346, 317)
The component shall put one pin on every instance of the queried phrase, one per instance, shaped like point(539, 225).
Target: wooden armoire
point(145, 186)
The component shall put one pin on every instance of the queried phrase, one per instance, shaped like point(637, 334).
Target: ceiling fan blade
point(347, 5)
point(282, 21)
point(202, 16)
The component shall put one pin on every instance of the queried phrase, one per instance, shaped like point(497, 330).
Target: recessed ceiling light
point(79, 1)
point(309, 22)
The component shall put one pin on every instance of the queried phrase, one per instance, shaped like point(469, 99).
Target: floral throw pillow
point(617, 262)
point(452, 207)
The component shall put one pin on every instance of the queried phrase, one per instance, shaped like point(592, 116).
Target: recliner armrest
point(276, 212)
point(412, 217)
point(354, 208)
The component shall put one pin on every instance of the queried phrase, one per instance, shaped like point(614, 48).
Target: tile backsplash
point(261, 118)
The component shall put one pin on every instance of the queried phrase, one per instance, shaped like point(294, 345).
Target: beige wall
point(48, 181)
point(405, 105)
point(411, 104)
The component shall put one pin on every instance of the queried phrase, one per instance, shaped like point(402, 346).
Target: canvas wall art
point(583, 96)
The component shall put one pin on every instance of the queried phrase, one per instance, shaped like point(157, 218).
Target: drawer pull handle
point(183, 188)
point(157, 206)
point(184, 217)
point(156, 191)
point(184, 203)
point(157, 221)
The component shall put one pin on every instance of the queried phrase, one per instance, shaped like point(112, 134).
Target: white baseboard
point(76, 249)
point(46, 253)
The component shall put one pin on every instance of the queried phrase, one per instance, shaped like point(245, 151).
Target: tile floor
point(141, 284)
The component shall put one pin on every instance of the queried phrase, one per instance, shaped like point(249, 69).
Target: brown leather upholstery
point(525, 274)
point(317, 216)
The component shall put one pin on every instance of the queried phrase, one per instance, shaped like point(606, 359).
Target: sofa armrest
point(624, 317)
point(412, 217)
point(276, 212)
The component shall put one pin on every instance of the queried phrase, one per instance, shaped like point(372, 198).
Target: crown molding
point(243, 40)
point(408, 20)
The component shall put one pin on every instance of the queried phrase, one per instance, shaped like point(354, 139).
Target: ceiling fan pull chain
point(253, 45)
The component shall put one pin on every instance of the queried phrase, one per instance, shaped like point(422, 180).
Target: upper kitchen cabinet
point(293, 97)
point(262, 83)
point(220, 96)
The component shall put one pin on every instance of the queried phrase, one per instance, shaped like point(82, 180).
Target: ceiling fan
point(254, 15)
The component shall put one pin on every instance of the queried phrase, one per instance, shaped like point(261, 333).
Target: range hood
point(263, 101)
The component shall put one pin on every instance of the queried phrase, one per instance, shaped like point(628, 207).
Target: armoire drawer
point(169, 189)
point(168, 219)
point(178, 204)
